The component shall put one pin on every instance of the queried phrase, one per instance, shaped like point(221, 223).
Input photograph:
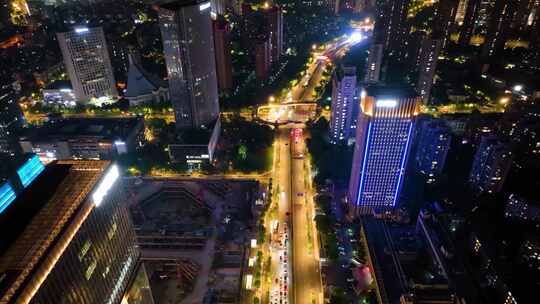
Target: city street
point(306, 270)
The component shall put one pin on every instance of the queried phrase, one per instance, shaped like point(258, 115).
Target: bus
point(297, 146)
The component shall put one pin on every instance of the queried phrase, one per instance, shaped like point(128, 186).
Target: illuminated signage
point(106, 184)
point(204, 6)
point(386, 103)
point(30, 170)
point(80, 30)
point(7, 196)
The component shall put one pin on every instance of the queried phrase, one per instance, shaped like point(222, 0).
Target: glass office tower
point(384, 130)
point(188, 46)
point(71, 238)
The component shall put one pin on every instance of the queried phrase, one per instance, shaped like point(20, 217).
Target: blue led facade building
point(16, 177)
point(383, 142)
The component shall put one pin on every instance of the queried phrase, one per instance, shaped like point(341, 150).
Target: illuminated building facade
point(72, 239)
point(382, 147)
point(433, 146)
point(17, 178)
point(87, 62)
point(491, 164)
point(188, 46)
point(344, 105)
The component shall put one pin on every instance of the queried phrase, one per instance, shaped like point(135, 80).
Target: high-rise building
point(374, 62)
point(274, 16)
point(11, 117)
point(461, 11)
point(491, 164)
point(344, 105)
point(428, 55)
point(223, 54)
point(391, 26)
point(443, 17)
point(87, 62)
point(217, 7)
point(71, 239)
point(263, 51)
point(433, 146)
point(188, 46)
point(468, 24)
point(382, 147)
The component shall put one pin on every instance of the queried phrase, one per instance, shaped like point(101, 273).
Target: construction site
point(194, 236)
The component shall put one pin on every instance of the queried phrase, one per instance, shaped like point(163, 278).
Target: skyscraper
point(344, 105)
point(71, 238)
point(223, 53)
point(491, 164)
point(11, 117)
point(391, 26)
point(374, 62)
point(274, 16)
point(433, 146)
point(381, 152)
point(429, 53)
point(87, 62)
point(188, 46)
point(263, 57)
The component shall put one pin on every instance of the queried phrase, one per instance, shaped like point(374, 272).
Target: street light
point(271, 98)
point(518, 87)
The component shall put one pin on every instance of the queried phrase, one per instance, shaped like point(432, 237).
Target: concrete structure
point(345, 105)
point(84, 138)
point(59, 93)
point(223, 54)
point(143, 87)
point(433, 146)
point(374, 62)
point(491, 164)
point(428, 57)
point(383, 137)
point(188, 46)
point(71, 238)
point(87, 62)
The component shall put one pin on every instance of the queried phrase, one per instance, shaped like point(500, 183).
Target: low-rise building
point(59, 93)
point(84, 138)
point(143, 87)
point(197, 146)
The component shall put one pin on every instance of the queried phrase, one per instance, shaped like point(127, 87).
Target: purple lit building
point(383, 137)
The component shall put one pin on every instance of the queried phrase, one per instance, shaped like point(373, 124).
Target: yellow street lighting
point(271, 98)
point(504, 100)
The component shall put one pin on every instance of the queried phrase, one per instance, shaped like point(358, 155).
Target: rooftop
point(395, 91)
point(106, 128)
point(59, 84)
point(178, 4)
